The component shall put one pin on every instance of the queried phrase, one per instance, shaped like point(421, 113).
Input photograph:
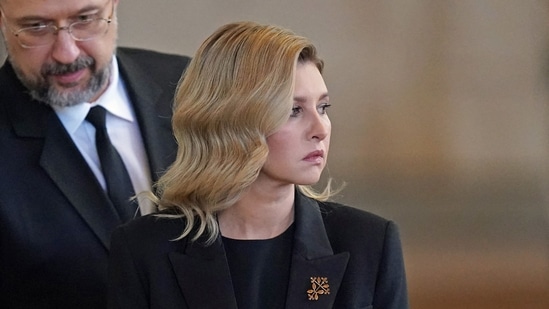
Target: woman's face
point(299, 149)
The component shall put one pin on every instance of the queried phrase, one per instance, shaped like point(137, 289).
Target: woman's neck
point(259, 214)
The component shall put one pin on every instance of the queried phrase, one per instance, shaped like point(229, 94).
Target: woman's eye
point(323, 108)
point(295, 111)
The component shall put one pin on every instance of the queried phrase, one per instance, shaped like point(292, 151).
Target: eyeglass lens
point(79, 31)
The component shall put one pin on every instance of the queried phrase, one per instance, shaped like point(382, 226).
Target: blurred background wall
point(440, 123)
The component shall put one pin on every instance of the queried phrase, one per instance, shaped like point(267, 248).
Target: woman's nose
point(320, 126)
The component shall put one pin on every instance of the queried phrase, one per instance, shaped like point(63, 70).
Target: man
point(56, 208)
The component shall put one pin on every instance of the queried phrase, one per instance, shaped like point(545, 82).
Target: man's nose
point(65, 48)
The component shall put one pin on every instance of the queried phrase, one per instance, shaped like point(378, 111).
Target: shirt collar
point(113, 100)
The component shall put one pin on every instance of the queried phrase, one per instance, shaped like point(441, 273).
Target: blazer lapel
point(315, 276)
point(204, 277)
point(60, 158)
point(152, 112)
point(316, 273)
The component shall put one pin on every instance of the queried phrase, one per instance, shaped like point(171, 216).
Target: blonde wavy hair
point(237, 90)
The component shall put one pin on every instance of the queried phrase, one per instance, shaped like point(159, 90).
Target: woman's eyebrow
point(301, 99)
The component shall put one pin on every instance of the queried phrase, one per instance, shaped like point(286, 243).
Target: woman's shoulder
point(334, 210)
point(148, 241)
point(343, 219)
point(155, 227)
point(358, 231)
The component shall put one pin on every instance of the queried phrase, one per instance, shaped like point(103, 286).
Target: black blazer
point(359, 253)
point(55, 220)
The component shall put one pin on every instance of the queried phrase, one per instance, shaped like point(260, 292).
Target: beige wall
point(440, 115)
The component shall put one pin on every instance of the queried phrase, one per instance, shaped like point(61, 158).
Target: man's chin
point(63, 97)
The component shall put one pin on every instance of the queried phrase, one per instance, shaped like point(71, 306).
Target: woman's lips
point(316, 156)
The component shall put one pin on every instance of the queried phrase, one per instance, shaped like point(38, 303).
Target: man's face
point(65, 72)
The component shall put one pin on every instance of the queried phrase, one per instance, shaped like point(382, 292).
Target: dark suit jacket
point(358, 252)
point(55, 220)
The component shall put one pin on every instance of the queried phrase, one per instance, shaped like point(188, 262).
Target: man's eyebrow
point(28, 18)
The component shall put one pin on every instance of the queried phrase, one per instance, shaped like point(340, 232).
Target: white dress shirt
point(123, 131)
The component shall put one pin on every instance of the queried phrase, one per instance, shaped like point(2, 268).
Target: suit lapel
point(60, 159)
point(32, 119)
point(204, 277)
point(152, 112)
point(316, 273)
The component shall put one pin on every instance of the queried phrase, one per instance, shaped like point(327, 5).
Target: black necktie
point(119, 185)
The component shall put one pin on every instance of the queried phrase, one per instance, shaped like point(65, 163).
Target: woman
point(239, 226)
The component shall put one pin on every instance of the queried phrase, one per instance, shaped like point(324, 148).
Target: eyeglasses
point(45, 34)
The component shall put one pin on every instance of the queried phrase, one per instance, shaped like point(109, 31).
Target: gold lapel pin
point(319, 286)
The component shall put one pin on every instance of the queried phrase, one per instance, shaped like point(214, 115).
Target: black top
point(260, 270)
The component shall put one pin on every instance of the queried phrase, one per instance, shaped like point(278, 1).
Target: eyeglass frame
point(56, 29)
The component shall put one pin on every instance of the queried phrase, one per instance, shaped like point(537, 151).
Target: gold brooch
point(319, 286)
